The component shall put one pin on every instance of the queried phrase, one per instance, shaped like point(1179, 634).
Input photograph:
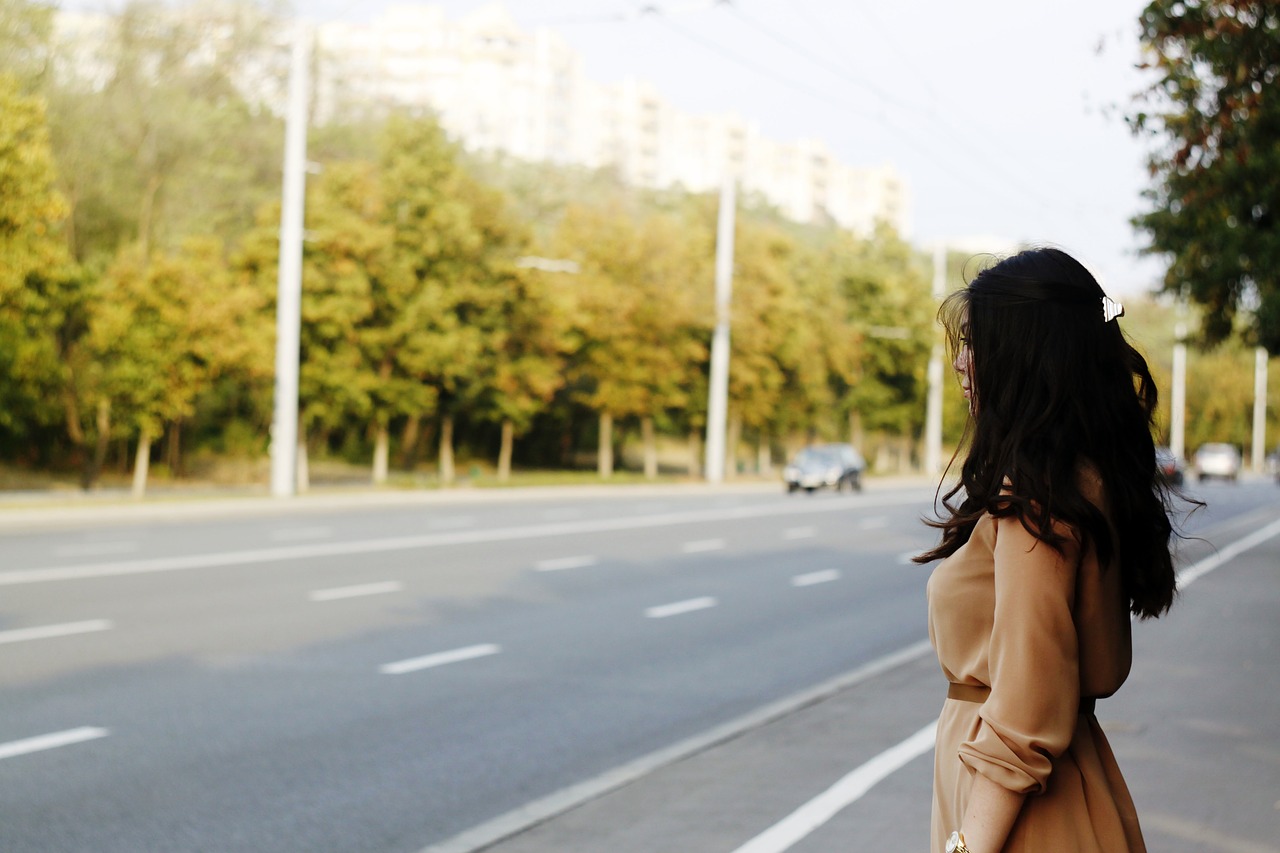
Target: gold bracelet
point(955, 844)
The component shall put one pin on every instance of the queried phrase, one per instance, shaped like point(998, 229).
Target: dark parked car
point(1170, 465)
point(837, 466)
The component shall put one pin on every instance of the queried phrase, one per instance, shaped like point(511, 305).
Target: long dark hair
point(1056, 387)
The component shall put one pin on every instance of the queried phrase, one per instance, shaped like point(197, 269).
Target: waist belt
point(978, 693)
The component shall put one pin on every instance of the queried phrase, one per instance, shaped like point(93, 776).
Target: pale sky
point(1002, 115)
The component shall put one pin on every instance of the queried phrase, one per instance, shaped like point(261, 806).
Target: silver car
point(1218, 460)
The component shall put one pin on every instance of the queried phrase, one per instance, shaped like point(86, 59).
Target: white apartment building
point(496, 87)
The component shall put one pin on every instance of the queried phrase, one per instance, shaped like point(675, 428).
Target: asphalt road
point(384, 678)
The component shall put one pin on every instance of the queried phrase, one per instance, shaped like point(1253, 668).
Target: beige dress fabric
point(1042, 630)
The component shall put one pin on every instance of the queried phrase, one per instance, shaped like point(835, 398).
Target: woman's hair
point(1057, 389)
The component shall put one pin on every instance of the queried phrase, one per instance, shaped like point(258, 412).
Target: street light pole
point(284, 429)
point(1259, 407)
point(718, 391)
point(1178, 399)
point(933, 412)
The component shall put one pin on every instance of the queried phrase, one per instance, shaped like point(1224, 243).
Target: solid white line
point(439, 659)
point(44, 632)
point(93, 549)
point(701, 546)
point(662, 611)
point(561, 563)
point(1194, 572)
point(812, 578)
point(300, 534)
point(530, 814)
point(50, 741)
point(813, 814)
point(356, 591)
point(799, 533)
point(433, 540)
point(873, 523)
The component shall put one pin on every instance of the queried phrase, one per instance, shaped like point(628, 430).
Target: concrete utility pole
point(1178, 399)
point(1259, 408)
point(933, 412)
point(284, 428)
point(718, 393)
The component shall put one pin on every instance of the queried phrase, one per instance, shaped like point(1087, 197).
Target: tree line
point(139, 247)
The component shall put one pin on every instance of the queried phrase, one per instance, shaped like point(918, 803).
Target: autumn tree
point(1214, 118)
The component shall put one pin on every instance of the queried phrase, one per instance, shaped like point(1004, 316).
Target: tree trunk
point(604, 456)
point(303, 484)
point(141, 464)
point(731, 447)
point(409, 443)
point(856, 436)
point(764, 454)
point(650, 449)
point(446, 451)
point(504, 452)
point(174, 454)
point(102, 441)
point(381, 454)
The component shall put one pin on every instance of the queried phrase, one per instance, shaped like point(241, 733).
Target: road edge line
point(545, 808)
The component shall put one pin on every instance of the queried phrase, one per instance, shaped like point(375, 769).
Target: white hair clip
point(1111, 309)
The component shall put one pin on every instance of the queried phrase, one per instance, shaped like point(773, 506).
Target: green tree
point(1215, 203)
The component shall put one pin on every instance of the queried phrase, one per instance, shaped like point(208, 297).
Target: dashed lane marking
point(45, 632)
point(560, 564)
point(50, 741)
point(799, 533)
point(356, 591)
point(675, 608)
point(439, 659)
point(811, 578)
point(701, 546)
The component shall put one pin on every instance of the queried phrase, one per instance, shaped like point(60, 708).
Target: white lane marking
point(675, 608)
point(787, 832)
point(451, 522)
point(94, 549)
point(44, 632)
point(300, 534)
point(433, 540)
point(812, 578)
point(1194, 572)
point(355, 591)
point(50, 741)
point(439, 659)
point(532, 813)
point(799, 533)
point(703, 545)
point(874, 523)
point(561, 563)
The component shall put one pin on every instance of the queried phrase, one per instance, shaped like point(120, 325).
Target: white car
point(1218, 460)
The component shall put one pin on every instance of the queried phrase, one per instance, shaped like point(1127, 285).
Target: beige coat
point(1043, 631)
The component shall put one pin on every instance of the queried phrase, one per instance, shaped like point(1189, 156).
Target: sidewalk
point(1195, 730)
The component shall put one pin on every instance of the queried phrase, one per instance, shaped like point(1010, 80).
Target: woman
point(1062, 529)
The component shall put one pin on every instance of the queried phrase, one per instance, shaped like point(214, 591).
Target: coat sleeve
point(1030, 715)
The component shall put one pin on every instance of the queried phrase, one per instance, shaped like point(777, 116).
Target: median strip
point(439, 659)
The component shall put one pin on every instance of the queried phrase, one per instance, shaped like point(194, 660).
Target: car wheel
point(856, 482)
point(791, 487)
